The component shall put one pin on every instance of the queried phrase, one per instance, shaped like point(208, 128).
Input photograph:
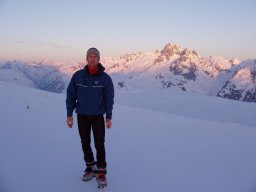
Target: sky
point(65, 29)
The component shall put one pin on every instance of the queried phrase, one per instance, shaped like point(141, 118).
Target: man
point(91, 92)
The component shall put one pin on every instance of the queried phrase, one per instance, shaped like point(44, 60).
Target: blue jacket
point(90, 94)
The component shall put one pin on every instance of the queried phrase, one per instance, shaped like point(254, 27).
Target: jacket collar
point(100, 69)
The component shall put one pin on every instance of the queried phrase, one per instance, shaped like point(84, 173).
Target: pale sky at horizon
point(65, 29)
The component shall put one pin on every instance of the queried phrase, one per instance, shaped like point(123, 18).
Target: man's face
point(93, 60)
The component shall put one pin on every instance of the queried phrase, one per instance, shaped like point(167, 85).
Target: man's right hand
point(70, 121)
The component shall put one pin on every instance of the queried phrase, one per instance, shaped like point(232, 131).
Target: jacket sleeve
point(109, 97)
point(71, 97)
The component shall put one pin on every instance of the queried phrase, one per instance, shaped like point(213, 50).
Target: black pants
point(96, 123)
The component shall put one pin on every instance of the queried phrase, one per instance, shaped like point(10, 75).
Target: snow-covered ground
point(180, 142)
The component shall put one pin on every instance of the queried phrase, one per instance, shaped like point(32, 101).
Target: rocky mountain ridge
point(171, 66)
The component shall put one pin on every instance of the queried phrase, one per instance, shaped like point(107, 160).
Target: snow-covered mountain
point(242, 85)
point(44, 75)
point(175, 67)
point(171, 66)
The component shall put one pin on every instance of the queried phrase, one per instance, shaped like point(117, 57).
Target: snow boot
point(89, 172)
point(101, 177)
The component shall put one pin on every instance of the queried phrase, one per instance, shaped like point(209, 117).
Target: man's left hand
point(108, 123)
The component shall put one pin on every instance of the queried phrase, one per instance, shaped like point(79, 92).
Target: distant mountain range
point(160, 70)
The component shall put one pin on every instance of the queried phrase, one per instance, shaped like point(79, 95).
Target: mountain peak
point(167, 52)
point(170, 50)
point(234, 61)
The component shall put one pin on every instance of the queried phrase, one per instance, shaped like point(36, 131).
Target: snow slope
point(156, 144)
